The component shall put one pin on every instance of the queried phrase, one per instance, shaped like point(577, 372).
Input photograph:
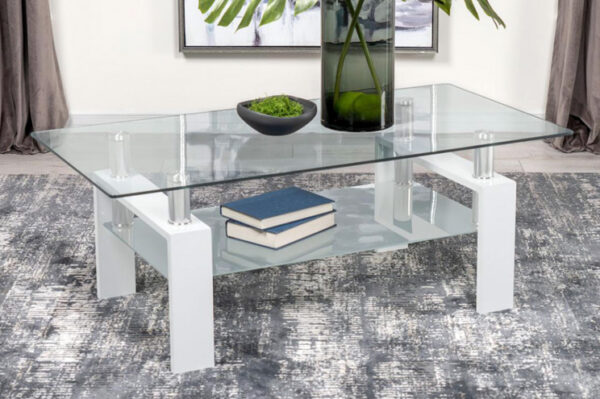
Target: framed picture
point(416, 30)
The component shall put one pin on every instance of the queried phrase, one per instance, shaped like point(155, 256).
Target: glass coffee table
point(142, 172)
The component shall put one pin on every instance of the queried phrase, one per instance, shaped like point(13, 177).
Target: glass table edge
point(566, 132)
point(311, 99)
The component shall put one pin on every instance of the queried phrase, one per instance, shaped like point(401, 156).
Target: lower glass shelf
point(382, 218)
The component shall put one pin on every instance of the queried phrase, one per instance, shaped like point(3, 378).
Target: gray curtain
point(574, 96)
point(31, 92)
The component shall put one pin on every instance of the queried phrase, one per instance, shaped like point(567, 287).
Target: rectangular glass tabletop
point(216, 147)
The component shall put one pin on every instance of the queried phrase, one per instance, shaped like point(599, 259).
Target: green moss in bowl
point(278, 115)
point(279, 106)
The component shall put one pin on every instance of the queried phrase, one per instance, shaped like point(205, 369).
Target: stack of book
point(278, 218)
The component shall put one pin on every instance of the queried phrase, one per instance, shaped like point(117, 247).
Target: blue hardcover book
point(277, 208)
point(280, 236)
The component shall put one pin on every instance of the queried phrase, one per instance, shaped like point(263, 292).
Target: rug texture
point(370, 325)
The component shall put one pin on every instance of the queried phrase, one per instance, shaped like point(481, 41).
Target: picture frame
point(187, 46)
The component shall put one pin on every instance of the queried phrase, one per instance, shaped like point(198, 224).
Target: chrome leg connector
point(179, 201)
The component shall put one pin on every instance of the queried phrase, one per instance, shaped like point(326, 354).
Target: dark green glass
point(357, 64)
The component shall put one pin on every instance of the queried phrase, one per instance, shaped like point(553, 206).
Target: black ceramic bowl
point(277, 126)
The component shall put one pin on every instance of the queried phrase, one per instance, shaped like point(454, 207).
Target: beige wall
point(121, 57)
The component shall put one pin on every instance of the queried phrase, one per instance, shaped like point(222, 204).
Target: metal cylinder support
point(179, 207)
point(483, 163)
point(403, 198)
point(402, 144)
point(405, 123)
point(403, 203)
point(122, 217)
point(475, 208)
point(483, 160)
point(179, 201)
point(404, 172)
point(118, 155)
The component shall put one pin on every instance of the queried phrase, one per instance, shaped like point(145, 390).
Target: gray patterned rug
point(391, 325)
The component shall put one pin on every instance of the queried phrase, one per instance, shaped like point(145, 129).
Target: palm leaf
point(471, 8)
point(273, 11)
point(232, 12)
point(444, 5)
point(204, 5)
point(489, 11)
point(247, 18)
point(304, 5)
point(214, 14)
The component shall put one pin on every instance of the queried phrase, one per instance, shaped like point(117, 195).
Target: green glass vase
point(357, 64)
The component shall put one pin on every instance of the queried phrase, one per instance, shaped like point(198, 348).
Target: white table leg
point(115, 261)
point(191, 300)
point(190, 271)
point(496, 209)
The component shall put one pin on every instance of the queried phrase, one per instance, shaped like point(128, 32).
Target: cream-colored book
point(280, 236)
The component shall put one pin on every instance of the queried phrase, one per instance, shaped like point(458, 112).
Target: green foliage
point(489, 11)
point(233, 10)
point(274, 10)
point(279, 106)
point(247, 18)
point(446, 6)
point(204, 5)
point(472, 9)
point(216, 11)
point(304, 5)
